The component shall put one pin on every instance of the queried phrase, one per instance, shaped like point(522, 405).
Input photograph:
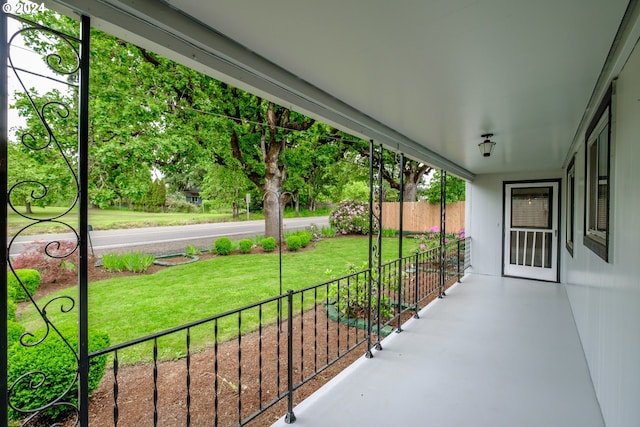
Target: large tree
point(149, 113)
point(413, 173)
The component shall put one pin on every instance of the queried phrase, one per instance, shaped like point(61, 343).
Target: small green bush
point(29, 278)
point(223, 246)
point(11, 310)
point(293, 243)
point(305, 238)
point(246, 245)
point(268, 244)
point(14, 332)
point(58, 365)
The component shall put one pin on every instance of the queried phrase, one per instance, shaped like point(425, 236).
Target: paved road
point(170, 239)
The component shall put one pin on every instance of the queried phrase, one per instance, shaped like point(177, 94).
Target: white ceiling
point(413, 74)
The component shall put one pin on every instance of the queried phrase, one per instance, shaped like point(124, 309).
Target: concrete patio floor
point(495, 352)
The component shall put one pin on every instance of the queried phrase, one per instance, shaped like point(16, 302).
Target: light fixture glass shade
point(486, 147)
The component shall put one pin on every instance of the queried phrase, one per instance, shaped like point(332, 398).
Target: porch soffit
point(425, 77)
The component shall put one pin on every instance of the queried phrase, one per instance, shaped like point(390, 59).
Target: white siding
point(605, 297)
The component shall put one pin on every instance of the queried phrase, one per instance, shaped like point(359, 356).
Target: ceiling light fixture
point(486, 146)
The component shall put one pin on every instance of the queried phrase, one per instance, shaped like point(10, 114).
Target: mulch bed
point(237, 393)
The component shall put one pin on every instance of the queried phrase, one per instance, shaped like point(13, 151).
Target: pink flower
point(422, 246)
point(435, 229)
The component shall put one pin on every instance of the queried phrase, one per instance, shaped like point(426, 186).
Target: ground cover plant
point(130, 307)
point(136, 262)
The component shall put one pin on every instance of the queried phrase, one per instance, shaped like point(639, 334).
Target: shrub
point(223, 246)
point(246, 245)
point(352, 300)
point(55, 261)
point(14, 332)
point(293, 243)
point(351, 217)
point(305, 238)
point(58, 365)
point(431, 239)
point(11, 305)
point(268, 244)
point(29, 278)
point(11, 310)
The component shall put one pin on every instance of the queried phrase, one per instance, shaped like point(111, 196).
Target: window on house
point(598, 181)
point(571, 186)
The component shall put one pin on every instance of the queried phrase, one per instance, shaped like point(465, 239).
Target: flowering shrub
point(431, 239)
point(351, 217)
point(55, 261)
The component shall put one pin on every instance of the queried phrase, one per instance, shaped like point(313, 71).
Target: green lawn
point(131, 307)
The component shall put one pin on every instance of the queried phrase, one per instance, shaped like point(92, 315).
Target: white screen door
point(531, 230)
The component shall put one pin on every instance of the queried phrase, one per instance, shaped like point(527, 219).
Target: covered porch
point(496, 351)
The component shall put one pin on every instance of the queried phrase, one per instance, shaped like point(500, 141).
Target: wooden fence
point(422, 216)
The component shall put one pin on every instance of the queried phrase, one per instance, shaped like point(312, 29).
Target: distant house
point(193, 196)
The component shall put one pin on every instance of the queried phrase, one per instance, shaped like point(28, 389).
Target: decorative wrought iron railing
point(244, 377)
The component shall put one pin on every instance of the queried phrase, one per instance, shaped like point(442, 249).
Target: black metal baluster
point(458, 259)
point(216, 385)
point(348, 326)
point(290, 417)
point(327, 325)
point(115, 389)
point(302, 336)
point(400, 233)
point(337, 322)
point(239, 367)
point(155, 381)
point(279, 335)
point(188, 377)
point(443, 226)
point(260, 355)
point(417, 287)
point(369, 353)
point(315, 326)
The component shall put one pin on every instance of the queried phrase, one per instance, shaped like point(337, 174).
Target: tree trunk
point(410, 193)
point(272, 203)
point(27, 207)
point(235, 210)
point(297, 200)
